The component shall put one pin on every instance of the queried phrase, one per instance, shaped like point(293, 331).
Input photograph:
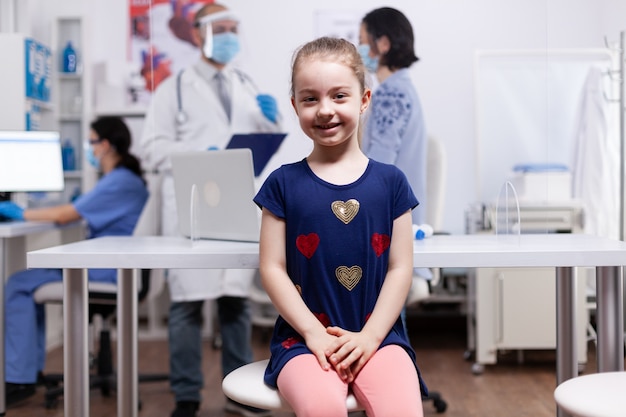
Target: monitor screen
point(30, 161)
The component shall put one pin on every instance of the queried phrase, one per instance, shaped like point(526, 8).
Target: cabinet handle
point(499, 310)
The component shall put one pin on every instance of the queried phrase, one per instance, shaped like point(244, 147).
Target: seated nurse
point(111, 208)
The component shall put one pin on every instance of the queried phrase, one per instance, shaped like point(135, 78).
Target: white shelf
point(70, 118)
point(72, 174)
point(72, 97)
point(135, 111)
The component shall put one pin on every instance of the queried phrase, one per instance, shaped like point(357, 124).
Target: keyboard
point(4, 219)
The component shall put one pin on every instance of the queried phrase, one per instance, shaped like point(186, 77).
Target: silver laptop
point(214, 192)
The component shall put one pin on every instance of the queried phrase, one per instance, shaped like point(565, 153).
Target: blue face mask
point(91, 158)
point(371, 64)
point(225, 47)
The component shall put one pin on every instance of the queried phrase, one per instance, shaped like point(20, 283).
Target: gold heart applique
point(345, 211)
point(349, 277)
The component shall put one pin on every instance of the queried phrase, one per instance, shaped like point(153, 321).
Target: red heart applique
point(289, 342)
point(380, 243)
point(307, 244)
point(323, 318)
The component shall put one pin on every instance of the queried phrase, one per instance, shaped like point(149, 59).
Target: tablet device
point(263, 146)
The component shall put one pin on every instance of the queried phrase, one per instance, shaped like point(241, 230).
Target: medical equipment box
point(543, 185)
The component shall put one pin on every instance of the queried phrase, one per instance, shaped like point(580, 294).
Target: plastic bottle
point(69, 58)
point(68, 156)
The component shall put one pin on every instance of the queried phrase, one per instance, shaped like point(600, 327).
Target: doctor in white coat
point(188, 113)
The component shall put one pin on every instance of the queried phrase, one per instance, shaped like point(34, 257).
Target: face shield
point(220, 33)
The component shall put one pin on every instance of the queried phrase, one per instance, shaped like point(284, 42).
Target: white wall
point(448, 32)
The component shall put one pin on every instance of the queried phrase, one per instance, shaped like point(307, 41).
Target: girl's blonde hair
point(327, 48)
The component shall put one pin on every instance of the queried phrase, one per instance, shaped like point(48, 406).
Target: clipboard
point(263, 146)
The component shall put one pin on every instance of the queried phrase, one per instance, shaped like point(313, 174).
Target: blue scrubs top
point(112, 208)
point(337, 248)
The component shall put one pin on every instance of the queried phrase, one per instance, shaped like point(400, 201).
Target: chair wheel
point(477, 369)
point(51, 403)
point(105, 389)
point(440, 405)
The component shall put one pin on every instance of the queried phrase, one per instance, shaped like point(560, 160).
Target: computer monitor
point(30, 161)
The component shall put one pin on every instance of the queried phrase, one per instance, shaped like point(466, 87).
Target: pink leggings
point(386, 386)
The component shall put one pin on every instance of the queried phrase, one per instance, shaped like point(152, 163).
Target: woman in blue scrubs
point(111, 208)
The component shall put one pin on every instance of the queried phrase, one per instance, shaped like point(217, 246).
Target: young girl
point(336, 253)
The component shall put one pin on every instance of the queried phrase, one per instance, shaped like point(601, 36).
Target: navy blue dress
point(337, 243)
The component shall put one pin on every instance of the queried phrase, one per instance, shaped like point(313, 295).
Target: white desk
point(13, 242)
point(563, 251)
point(13, 258)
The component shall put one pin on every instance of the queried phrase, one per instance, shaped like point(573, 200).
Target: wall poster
point(160, 42)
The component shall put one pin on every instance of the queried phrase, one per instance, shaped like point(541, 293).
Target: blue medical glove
point(11, 210)
point(268, 106)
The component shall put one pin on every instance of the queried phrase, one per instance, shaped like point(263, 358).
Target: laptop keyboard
point(4, 219)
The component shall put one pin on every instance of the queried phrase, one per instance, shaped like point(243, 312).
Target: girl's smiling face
point(328, 100)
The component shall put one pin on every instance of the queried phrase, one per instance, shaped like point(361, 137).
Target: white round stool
point(594, 395)
point(245, 385)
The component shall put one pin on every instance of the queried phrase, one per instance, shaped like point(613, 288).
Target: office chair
point(102, 299)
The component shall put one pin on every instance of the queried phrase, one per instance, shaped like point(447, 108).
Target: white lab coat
point(207, 125)
point(596, 156)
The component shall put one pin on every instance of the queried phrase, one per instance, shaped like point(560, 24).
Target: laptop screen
point(214, 195)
